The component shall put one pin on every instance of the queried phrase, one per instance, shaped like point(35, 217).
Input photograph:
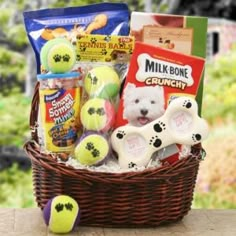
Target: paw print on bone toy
point(180, 124)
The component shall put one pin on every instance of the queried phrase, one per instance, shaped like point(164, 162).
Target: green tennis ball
point(103, 82)
point(97, 114)
point(58, 56)
point(61, 214)
point(93, 149)
point(44, 50)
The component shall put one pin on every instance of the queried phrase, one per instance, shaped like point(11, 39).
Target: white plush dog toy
point(180, 124)
point(142, 104)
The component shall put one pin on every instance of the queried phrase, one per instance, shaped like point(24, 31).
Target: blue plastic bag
point(72, 22)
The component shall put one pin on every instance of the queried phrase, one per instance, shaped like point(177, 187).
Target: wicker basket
point(135, 199)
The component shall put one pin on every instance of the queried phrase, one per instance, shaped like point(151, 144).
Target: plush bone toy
point(180, 124)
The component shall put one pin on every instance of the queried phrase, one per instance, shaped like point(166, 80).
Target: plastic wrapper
point(104, 64)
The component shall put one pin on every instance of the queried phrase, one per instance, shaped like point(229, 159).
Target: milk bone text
point(155, 67)
point(62, 110)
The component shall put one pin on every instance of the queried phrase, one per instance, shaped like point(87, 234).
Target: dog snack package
point(74, 22)
point(155, 77)
point(184, 34)
point(59, 111)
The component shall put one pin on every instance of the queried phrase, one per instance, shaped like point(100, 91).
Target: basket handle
point(34, 113)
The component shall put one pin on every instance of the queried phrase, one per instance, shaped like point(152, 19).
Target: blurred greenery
point(16, 188)
point(211, 201)
point(12, 71)
point(220, 89)
point(14, 119)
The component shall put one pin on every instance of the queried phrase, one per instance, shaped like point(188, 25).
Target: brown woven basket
point(135, 199)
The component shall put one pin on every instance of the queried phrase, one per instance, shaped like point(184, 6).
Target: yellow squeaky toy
point(61, 214)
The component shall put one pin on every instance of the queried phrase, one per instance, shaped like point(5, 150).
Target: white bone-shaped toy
point(180, 124)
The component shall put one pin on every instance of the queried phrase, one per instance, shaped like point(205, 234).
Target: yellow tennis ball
point(97, 114)
point(92, 149)
point(103, 82)
point(61, 214)
point(58, 55)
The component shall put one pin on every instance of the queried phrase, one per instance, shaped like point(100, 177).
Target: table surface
point(29, 222)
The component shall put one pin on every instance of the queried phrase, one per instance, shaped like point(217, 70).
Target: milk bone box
point(157, 67)
point(184, 34)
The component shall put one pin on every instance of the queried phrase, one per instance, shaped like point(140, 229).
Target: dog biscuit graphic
point(180, 124)
point(98, 22)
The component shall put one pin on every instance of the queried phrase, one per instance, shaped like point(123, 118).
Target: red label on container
point(59, 106)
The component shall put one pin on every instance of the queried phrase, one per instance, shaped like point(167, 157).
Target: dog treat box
point(155, 77)
point(185, 34)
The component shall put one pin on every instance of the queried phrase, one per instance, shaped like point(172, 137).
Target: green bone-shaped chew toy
point(180, 124)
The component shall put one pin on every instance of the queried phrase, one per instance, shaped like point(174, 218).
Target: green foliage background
point(220, 89)
point(16, 188)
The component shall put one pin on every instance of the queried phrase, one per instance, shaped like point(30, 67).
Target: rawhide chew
point(58, 55)
point(97, 114)
point(179, 124)
point(61, 214)
point(103, 82)
point(92, 149)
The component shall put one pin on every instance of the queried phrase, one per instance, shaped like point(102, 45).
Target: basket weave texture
point(132, 199)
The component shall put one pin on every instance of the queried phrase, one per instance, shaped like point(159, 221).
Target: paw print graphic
point(91, 110)
point(196, 137)
point(78, 57)
point(187, 104)
point(57, 58)
point(93, 40)
point(66, 58)
point(69, 206)
point(132, 164)
point(93, 79)
point(104, 51)
point(159, 127)
point(59, 207)
point(120, 134)
point(89, 146)
point(101, 111)
point(155, 141)
point(95, 153)
point(107, 38)
point(82, 49)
